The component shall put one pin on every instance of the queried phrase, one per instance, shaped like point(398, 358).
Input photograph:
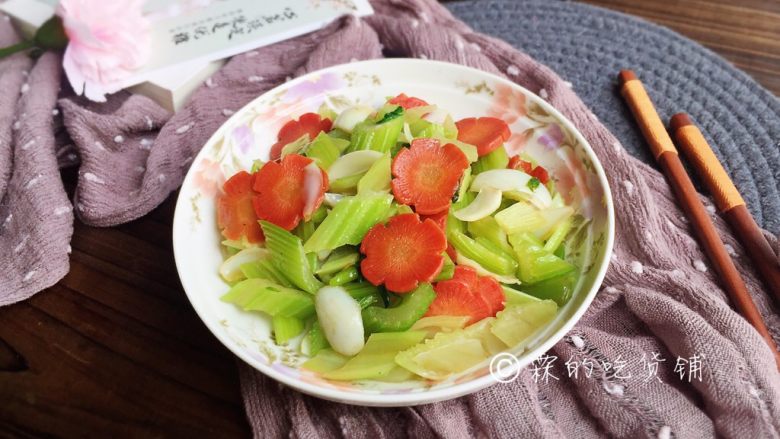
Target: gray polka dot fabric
point(587, 46)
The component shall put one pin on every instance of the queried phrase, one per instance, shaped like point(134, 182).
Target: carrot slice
point(521, 165)
point(310, 124)
point(459, 297)
point(427, 175)
point(403, 253)
point(235, 213)
point(467, 294)
point(486, 133)
point(281, 191)
point(407, 102)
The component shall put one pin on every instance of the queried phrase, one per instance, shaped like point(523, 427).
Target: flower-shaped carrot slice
point(427, 175)
point(467, 294)
point(235, 213)
point(403, 253)
point(407, 102)
point(486, 133)
point(283, 190)
point(310, 124)
point(537, 172)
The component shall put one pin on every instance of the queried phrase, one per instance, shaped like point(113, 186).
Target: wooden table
point(115, 349)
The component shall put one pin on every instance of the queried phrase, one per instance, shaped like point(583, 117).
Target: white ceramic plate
point(538, 129)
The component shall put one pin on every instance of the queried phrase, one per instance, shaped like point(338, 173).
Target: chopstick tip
point(678, 121)
point(625, 76)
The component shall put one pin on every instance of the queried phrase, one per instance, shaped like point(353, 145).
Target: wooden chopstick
point(727, 199)
point(666, 155)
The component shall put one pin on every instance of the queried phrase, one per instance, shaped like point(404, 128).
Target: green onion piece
point(288, 255)
point(398, 111)
point(533, 183)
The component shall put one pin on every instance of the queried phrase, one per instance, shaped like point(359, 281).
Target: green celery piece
point(389, 112)
point(398, 375)
point(286, 328)
point(447, 270)
point(265, 269)
point(424, 129)
point(377, 178)
point(271, 298)
point(558, 235)
point(496, 159)
point(515, 297)
point(365, 293)
point(315, 340)
point(377, 359)
point(289, 256)
point(346, 275)
point(516, 325)
point(349, 221)
point(325, 360)
point(492, 261)
point(454, 225)
point(311, 258)
point(560, 251)
point(378, 137)
point(323, 150)
point(520, 217)
point(326, 112)
point(534, 263)
point(488, 244)
point(559, 288)
point(489, 229)
point(338, 260)
point(402, 316)
point(450, 129)
point(340, 135)
point(304, 229)
point(346, 185)
point(319, 215)
point(402, 209)
point(469, 150)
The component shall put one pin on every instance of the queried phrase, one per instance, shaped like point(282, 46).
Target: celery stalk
point(265, 269)
point(323, 150)
point(273, 299)
point(560, 288)
point(377, 178)
point(496, 159)
point(325, 360)
point(349, 221)
point(377, 359)
point(289, 257)
point(534, 263)
point(492, 261)
point(515, 297)
point(338, 260)
point(315, 340)
point(558, 235)
point(286, 328)
point(402, 316)
point(346, 185)
point(489, 229)
point(346, 275)
point(380, 137)
point(520, 217)
point(447, 270)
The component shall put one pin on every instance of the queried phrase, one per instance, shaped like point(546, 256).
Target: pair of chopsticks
point(727, 199)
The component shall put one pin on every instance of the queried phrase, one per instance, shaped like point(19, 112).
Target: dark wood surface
point(115, 349)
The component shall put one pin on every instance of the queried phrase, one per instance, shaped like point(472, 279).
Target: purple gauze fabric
point(658, 296)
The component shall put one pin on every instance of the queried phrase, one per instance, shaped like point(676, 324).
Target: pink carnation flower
point(108, 40)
